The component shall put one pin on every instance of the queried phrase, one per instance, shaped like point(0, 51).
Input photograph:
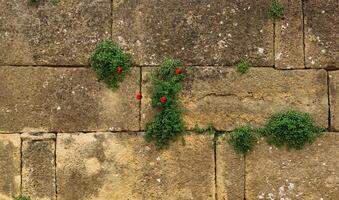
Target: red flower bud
point(119, 70)
point(178, 71)
point(163, 99)
point(138, 97)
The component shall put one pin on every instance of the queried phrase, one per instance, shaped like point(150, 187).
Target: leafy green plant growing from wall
point(243, 139)
point(210, 130)
point(291, 128)
point(110, 63)
point(36, 2)
point(167, 124)
point(243, 66)
point(276, 10)
point(21, 197)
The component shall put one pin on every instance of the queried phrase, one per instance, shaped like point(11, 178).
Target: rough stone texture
point(321, 38)
point(230, 172)
point(60, 34)
point(207, 32)
point(101, 166)
point(311, 173)
point(334, 99)
point(38, 167)
point(9, 166)
point(227, 99)
point(65, 99)
point(289, 41)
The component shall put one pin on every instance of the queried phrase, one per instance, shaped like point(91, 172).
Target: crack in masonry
point(111, 19)
point(21, 164)
point(214, 94)
point(55, 167)
point(140, 92)
point(244, 177)
point(303, 30)
point(215, 166)
point(329, 102)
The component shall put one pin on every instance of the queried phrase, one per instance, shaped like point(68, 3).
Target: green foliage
point(34, 2)
point(243, 66)
point(106, 61)
point(276, 10)
point(167, 124)
point(20, 197)
point(291, 128)
point(243, 139)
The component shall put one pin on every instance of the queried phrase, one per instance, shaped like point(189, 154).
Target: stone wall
point(64, 135)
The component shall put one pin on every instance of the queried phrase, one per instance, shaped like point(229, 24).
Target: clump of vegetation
point(276, 10)
point(110, 63)
point(291, 128)
point(243, 139)
point(209, 130)
point(36, 2)
point(167, 124)
point(243, 66)
point(20, 197)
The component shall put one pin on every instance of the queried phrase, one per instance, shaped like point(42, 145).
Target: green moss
point(167, 124)
point(276, 10)
point(243, 139)
point(291, 128)
point(210, 130)
point(20, 197)
point(243, 66)
point(110, 63)
point(34, 2)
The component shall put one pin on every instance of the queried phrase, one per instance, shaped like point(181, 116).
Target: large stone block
point(10, 178)
point(65, 99)
point(311, 173)
point(64, 33)
point(289, 40)
point(321, 35)
point(334, 99)
point(207, 32)
point(101, 166)
point(230, 171)
point(38, 166)
point(227, 99)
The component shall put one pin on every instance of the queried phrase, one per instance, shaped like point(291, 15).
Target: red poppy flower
point(138, 97)
point(178, 71)
point(119, 70)
point(163, 99)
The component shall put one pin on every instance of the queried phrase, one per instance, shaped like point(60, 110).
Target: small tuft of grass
point(167, 124)
point(34, 2)
point(110, 63)
point(276, 10)
point(243, 66)
point(243, 139)
point(21, 197)
point(210, 130)
point(291, 128)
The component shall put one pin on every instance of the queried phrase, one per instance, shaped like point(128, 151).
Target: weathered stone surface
point(230, 172)
point(227, 99)
point(321, 38)
point(65, 99)
point(311, 173)
point(9, 166)
point(64, 33)
point(101, 166)
point(289, 41)
point(212, 32)
point(334, 99)
point(38, 167)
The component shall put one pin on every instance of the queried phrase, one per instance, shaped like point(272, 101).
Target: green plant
point(243, 66)
point(291, 128)
point(167, 124)
point(110, 63)
point(21, 197)
point(34, 2)
point(243, 139)
point(209, 130)
point(276, 10)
